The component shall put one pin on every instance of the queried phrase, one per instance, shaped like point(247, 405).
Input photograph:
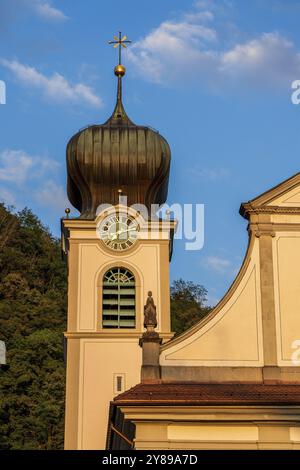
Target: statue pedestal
point(150, 343)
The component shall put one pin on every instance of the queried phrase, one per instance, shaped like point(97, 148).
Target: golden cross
point(120, 42)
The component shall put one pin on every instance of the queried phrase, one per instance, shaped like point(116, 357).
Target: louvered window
point(118, 305)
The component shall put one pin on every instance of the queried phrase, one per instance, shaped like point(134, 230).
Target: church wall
point(148, 261)
point(93, 367)
point(257, 323)
point(222, 428)
point(212, 374)
point(72, 394)
point(286, 249)
point(100, 362)
point(73, 286)
point(232, 334)
point(289, 198)
point(96, 356)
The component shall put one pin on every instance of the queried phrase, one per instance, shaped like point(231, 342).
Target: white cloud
point(27, 178)
point(56, 87)
point(7, 197)
point(199, 16)
point(204, 4)
point(269, 59)
point(211, 174)
point(53, 196)
point(47, 11)
point(172, 50)
point(177, 52)
point(219, 265)
point(201, 3)
point(17, 166)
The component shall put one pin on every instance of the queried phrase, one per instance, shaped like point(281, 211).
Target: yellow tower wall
point(95, 356)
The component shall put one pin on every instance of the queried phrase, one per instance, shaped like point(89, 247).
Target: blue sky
point(214, 77)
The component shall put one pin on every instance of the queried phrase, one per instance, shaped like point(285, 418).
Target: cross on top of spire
point(120, 42)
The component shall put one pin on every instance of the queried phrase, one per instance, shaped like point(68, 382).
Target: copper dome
point(118, 154)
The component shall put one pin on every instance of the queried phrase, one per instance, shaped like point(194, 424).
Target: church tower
point(116, 254)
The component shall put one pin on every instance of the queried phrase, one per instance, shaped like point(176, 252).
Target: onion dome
point(117, 156)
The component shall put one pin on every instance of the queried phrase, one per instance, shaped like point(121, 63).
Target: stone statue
point(150, 317)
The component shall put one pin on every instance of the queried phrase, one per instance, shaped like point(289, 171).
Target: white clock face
point(118, 231)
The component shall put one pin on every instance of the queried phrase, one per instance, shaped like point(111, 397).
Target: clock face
point(118, 231)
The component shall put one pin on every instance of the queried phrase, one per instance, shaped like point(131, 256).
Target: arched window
point(118, 303)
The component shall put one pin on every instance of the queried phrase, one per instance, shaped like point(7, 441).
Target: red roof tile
point(189, 394)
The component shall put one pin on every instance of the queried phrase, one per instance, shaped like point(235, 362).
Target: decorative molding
point(268, 233)
point(268, 414)
point(248, 209)
point(272, 194)
point(112, 334)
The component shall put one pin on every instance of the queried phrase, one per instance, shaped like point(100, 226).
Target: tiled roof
point(189, 394)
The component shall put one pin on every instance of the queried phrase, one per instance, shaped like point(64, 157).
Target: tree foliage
point(187, 305)
point(32, 321)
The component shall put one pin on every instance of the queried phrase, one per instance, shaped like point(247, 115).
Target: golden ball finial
point(120, 70)
point(67, 211)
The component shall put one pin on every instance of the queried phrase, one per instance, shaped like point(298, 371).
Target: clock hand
point(120, 232)
point(115, 235)
point(125, 231)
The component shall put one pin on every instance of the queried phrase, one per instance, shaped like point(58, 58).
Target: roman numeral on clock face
point(118, 232)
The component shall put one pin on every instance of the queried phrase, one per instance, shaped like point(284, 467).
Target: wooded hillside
point(32, 322)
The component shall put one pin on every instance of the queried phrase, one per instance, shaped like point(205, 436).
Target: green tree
point(33, 289)
point(187, 305)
